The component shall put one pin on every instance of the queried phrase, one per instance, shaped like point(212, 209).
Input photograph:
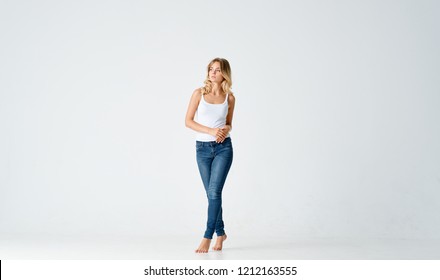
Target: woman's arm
point(192, 108)
point(231, 102)
point(189, 119)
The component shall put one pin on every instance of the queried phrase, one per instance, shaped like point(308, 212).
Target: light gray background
point(336, 128)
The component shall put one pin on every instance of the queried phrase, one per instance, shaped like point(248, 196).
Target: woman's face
point(215, 73)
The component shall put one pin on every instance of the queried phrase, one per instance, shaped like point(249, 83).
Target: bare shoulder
point(197, 93)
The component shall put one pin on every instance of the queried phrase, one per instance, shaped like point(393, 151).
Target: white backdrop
point(336, 128)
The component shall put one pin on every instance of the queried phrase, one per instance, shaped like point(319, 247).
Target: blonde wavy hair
point(225, 70)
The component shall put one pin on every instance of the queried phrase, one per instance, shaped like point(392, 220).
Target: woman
point(214, 104)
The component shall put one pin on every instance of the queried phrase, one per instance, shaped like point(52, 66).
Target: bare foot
point(219, 243)
point(204, 246)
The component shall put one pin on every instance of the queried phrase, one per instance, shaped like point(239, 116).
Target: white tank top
point(211, 115)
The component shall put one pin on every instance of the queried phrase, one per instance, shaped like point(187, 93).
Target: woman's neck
point(216, 89)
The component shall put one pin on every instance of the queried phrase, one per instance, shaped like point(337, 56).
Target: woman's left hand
point(221, 136)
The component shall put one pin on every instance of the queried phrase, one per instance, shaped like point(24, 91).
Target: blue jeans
point(214, 161)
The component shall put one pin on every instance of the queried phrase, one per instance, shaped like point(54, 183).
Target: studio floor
point(57, 246)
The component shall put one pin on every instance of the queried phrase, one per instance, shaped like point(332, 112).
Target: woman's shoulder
point(197, 92)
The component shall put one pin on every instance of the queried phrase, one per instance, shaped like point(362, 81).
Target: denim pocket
point(226, 144)
point(198, 146)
